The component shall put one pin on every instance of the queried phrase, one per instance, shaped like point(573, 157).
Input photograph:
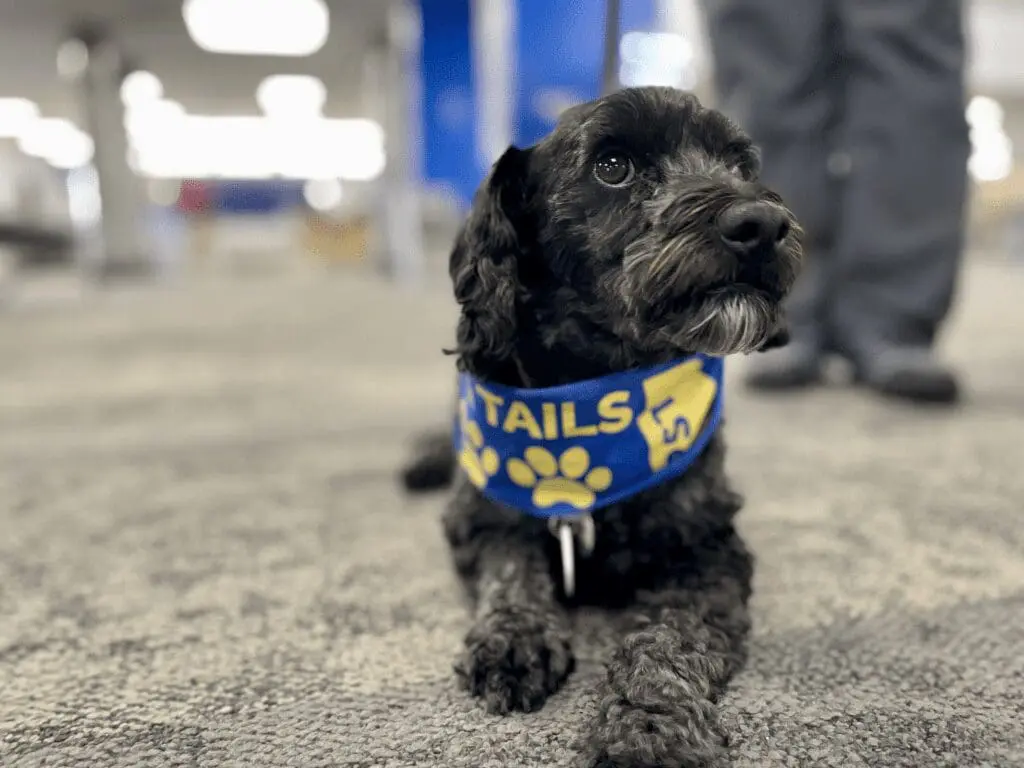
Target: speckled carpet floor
point(204, 560)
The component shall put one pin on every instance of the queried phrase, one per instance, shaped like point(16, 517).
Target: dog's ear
point(779, 338)
point(484, 262)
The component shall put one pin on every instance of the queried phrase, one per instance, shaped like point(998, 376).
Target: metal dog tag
point(567, 545)
point(566, 529)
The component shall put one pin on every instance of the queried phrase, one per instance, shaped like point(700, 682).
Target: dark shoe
point(795, 366)
point(908, 374)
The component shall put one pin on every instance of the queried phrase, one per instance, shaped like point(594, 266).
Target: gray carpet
point(204, 560)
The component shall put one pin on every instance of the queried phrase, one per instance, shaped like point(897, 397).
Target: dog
point(634, 237)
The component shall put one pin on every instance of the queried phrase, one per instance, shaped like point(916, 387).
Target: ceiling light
point(141, 87)
point(151, 118)
point(164, 192)
point(323, 194)
point(60, 142)
point(201, 146)
point(983, 111)
point(75, 153)
point(85, 206)
point(291, 96)
point(991, 155)
point(992, 161)
point(665, 47)
point(16, 115)
point(258, 27)
point(991, 148)
point(72, 59)
point(656, 58)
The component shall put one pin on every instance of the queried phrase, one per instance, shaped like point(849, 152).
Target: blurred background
point(162, 138)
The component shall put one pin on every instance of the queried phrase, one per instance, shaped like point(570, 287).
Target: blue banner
point(255, 196)
point(560, 53)
point(449, 109)
point(553, 53)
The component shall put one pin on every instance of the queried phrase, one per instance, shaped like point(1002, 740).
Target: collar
point(566, 451)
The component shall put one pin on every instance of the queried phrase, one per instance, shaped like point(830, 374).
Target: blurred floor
point(204, 560)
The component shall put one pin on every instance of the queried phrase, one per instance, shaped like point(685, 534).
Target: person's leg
point(777, 73)
point(899, 244)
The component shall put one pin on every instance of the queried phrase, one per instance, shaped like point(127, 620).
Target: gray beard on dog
point(736, 323)
point(731, 321)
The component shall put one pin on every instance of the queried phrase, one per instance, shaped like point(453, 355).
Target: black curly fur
point(433, 464)
point(561, 279)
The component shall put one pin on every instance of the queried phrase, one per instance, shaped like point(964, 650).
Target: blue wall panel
point(558, 46)
point(560, 50)
point(449, 112)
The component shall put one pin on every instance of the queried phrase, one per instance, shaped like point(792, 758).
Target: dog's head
point(638, 222)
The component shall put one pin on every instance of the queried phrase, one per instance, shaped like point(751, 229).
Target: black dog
point(634, 234)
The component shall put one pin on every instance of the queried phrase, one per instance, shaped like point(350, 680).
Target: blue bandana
point(579, 447)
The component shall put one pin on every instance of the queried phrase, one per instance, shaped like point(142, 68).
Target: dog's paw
point(514, 660)
point(428, 473)
point(633, 737)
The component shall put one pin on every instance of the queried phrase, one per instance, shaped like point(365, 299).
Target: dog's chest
point(629, 555)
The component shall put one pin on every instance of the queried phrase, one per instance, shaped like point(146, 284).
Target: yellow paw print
point(479, 462)
point(562, 480)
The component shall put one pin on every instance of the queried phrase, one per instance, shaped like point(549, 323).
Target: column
point(402, 235)
point(98, 88)
point(449, 99)
point(492, 35)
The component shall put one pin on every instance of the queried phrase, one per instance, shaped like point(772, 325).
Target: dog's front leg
point(658, 708)
point(518, 651)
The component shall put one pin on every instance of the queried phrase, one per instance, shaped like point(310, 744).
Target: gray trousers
point(858, 107)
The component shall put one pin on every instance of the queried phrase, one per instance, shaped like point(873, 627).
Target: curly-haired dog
point(634, 246)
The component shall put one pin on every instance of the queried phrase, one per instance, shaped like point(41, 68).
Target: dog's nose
point(748, 227)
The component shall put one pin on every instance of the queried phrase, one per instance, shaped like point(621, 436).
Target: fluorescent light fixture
point(323, 194)
point(290, 96)
point(984, 112)
point(153, 118)
point(991, 156)
point(72, 59)
point(656, 58)
point(84, 203)
point(163, 192)
point(258, 27)
point(16, 116)
point(665, 47)
point(60, 142)
point(75, 153)
point(201, 146)
point(141, 87)
point(991, 149)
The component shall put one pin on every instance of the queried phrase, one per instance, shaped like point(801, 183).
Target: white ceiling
point(154, 35)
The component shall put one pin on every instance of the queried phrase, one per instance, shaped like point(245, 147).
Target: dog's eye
point(614, 169)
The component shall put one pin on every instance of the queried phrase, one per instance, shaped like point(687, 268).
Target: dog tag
point(568, 547)
point(565, 529)
point(588, 534)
